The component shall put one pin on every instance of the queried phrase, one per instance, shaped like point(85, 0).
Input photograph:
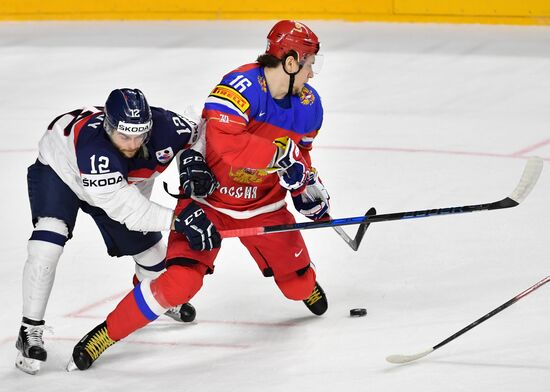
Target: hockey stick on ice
point(528, 180)
point(414, 357)
point(354, 243)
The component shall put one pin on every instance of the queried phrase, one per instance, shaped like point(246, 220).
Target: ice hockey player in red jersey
point(103, 160)
point(261, 121)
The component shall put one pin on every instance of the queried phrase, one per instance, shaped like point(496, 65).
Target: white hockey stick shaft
point(400, 359)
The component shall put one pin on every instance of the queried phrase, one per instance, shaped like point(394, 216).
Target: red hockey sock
point(177, 285)
point(150, 299)
point(126, 318)
point(297, 287)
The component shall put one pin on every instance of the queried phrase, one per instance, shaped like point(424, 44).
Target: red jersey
point(242, 121)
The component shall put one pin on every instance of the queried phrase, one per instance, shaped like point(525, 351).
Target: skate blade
point(71, 366)
point(173, 315)
point(27, 365)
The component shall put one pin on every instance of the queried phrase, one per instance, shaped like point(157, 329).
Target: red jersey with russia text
point(242, 121)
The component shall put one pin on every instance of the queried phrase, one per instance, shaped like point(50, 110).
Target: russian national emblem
point(262, 82)
point(248, 176)
point(306, 96)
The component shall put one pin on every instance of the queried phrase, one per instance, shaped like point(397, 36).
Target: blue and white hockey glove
point(313, 202)
point(200, 232)
point(293, 178)
point(289, 164)
point(195, 176)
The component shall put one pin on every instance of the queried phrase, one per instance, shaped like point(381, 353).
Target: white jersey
point(80, 152)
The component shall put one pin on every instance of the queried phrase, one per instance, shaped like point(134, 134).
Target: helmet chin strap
point(292, 75)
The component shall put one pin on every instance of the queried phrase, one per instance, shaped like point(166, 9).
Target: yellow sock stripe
point(99, 343)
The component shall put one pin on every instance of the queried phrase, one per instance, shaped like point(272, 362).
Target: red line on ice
point(531, 148)
point(78, 313)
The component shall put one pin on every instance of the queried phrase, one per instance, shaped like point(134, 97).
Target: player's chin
point(129, 153)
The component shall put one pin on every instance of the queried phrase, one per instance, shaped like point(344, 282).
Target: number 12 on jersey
point(102, 166)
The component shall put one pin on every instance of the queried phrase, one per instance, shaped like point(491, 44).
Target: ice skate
point(90, 347)
point(183, 313)
point(317, 301)
point(31, 353)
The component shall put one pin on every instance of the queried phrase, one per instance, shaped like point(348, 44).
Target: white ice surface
point(417, 117)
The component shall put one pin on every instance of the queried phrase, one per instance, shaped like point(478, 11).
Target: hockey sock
point(127, 316)
point(151, 262)
point(149, 299)
point(297, 287)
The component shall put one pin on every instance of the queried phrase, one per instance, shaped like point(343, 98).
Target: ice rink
point(416, 117)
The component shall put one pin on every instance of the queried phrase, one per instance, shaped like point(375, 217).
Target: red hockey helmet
point(289, 35)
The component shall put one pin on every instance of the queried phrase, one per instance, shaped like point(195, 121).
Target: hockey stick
point(528, 180)
point(414, 357)
point(354, 243)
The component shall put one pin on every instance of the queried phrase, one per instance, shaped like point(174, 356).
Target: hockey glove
point(200, 232)
point(289, 164)
point(195, 176)
point(313, 202)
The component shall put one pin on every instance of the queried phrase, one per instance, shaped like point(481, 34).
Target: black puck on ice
point(358, 312)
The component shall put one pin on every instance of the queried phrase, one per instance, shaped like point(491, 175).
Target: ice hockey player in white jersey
point(103, 160)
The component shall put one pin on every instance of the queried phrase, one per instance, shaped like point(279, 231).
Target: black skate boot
point(90, 347)
point(31, 346)
point(317, 301)
point(184, 313)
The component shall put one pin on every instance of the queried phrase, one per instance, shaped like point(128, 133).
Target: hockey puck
point(358, 312)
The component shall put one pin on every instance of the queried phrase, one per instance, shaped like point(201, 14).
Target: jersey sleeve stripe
point(307, 141)
point(214, 103)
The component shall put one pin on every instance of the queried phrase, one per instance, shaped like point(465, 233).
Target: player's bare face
point(128, 145)
point(304, 75)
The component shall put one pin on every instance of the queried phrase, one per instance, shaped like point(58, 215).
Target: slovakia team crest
point(164, 156)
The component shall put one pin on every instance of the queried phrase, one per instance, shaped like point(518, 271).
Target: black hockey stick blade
point(354, 243)
point(528, 180)
point(174, 195)
point(363, 228)
point(401, 359)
